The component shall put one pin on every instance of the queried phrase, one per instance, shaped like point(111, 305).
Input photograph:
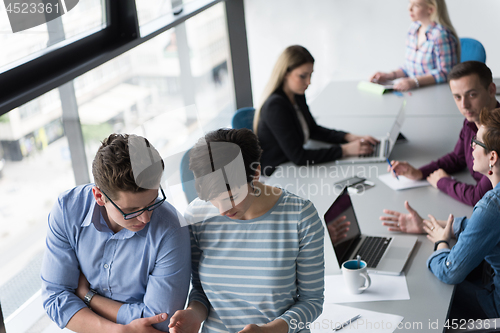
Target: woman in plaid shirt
point(432, 47)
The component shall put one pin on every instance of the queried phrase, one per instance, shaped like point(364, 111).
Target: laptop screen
point(396, 128)
point(2, 325)
point(342, 206)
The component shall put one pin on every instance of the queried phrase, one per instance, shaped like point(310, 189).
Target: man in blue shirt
point(117, 259)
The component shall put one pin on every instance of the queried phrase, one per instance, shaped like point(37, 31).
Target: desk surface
point(344, 99)
point(431, 133)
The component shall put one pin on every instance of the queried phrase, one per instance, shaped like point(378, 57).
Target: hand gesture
point(338, 229)
point(410, 223)
point(405, 84)
point(436, 176)
point(185, 321)
point(356, 148)
point(144, 325)
point(436, 232)
point(405, 169)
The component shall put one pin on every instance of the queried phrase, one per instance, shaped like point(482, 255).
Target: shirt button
point(105, 289)
point(106, 266)
point(447, 264)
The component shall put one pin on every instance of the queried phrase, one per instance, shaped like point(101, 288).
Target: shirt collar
point(430, 27)
point(416, 25)
point(471, 125)
point(95, 217)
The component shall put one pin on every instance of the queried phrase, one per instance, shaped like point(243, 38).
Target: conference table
point(431, 127)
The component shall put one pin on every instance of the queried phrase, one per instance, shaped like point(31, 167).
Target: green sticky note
point(372, 87)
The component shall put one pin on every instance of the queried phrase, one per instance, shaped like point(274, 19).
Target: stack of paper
point(403, 183)
point(383, 288)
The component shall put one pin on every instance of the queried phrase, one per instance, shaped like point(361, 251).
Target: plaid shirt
point(436, 56)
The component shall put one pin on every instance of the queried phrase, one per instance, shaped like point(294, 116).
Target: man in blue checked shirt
point(117, 259)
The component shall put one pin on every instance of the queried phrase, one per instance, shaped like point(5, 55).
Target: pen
point(389, 162)
point(344, 324)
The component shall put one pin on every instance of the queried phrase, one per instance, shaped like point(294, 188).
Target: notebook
point(383, 149)
point(383, 255)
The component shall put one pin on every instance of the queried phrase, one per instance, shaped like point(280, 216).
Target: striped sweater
point(254, 271)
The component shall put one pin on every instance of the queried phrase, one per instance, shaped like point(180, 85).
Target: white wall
point(351, 39)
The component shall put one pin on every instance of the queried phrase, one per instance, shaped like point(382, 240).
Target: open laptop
point(384, 255)
point(383, 149)
point(2, 325)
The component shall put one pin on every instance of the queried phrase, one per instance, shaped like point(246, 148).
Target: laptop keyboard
point(372, 250)
point(375, 152)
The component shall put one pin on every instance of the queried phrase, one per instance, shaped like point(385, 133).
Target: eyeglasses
point(128, 216)
point(474, 141)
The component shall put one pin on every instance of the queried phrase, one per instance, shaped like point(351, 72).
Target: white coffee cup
point(356, 278)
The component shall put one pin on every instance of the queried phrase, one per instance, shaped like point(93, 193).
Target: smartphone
point(349, 182)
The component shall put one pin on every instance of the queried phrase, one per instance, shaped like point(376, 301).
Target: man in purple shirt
point(472, 86)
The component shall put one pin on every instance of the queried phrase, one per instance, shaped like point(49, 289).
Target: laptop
point(2, 325)
point(383, 255)
point(383, 149)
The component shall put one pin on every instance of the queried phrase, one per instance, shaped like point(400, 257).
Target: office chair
point(472, 49)
point(243, 118)
point(187, 178)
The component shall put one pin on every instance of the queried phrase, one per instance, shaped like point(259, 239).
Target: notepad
point(403, 183)
point(334, 315)
point(375, 88)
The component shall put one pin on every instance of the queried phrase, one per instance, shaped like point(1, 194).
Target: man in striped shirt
point(257, 250)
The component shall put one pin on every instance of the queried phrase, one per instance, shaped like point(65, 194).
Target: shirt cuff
point(404, 71)
point(427, 170)
point(199, 298)
point(437, 253)
point(457, 226)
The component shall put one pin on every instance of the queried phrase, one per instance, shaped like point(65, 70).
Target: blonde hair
point(440, 16)
point(291, 58)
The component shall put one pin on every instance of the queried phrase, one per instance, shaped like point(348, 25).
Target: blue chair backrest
point(187, 177)
point(472, 50)
point(243, 118)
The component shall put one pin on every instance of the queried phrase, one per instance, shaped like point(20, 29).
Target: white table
point(432, 126)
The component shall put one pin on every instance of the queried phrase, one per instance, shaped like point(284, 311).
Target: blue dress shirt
point(478, 238)
point(148, 271)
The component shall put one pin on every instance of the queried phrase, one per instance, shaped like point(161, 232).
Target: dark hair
point(219, 151)
point(126, 163)
point(472, 67)
point(490, 119)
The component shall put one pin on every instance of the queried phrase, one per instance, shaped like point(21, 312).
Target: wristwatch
point(89, 296)
point(439, 242)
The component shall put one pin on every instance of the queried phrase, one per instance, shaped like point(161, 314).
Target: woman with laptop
point(284, 123)
point(432, 47)
point(257, 250)
point(477, 237)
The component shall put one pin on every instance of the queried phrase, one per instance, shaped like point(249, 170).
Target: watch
point(439, 242)
point(89, 296)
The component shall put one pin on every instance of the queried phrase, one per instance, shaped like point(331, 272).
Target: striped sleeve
point(197, 293)
point(310, 270)
point(445, 54)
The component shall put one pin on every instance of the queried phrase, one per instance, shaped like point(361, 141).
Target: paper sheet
point(403, 183)
point(333, 315)
point(383, 288)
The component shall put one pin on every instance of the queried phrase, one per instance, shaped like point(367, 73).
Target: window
point(169, 89)
point(85, 18)
point(170, 86)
